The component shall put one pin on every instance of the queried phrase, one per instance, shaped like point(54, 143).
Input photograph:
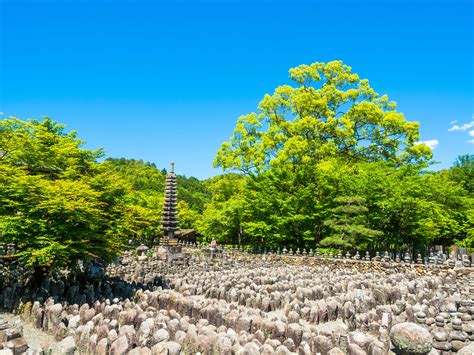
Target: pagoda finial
point(172, 167)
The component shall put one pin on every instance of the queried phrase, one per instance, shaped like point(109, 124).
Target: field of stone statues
point(256, 304)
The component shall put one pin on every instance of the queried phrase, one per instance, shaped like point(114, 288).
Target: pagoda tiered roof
point(169, 217)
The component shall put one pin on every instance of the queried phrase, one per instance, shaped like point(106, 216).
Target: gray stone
point(290, 344)
point(411, 337)
point(295, 332)
point(267, 349)
point(102, 347)
point(354, 349)
point(304, 349)
point(336, 351)
point(119, 346)
point(67, 346)
point(282, 350)
point(173, 348)
point(321, 344)
point(466, 350)
point(161, 335)
point(249, 349)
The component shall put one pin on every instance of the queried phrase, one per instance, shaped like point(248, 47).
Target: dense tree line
point(327, 162)
point(359, 206)
point(60, 204)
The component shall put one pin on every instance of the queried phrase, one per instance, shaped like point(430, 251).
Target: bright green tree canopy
point(329, 112)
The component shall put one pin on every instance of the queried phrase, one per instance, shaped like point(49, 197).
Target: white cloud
point(470, 141)
point(471, 133)
point(453, 122)
point(432, 143)
point(464, 127)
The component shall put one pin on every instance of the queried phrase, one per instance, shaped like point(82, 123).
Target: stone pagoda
point(169, 218)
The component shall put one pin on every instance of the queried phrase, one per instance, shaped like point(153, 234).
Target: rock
point(74, 322)
point(466, 350)
point(290, 344)
point(112, 336)
point(359, 338)
point(304, 349)
point(173, 348)
point(279, 330)
point(102, 347)
point(145, 331)
point(440, 335)
point(17, 345)
point(140, 351)
point(61, 332)
point(249, 349)
point(134, 351)
point(129, 332)
point(457, 345)
point(411, 337)
point(161, 335)
point(336, 351)
point(92, 343)
point(282, 350)
point(293, 317)
point(321, 344)
point(67, 346)
point(266, 349)
point(54, 316)
point(295, 332)
point(224, 344)
point(167, 347)
point(179, 336)
point(87, 315)
point(243, 324)
point(354, 349)
point(9, 334)
point(119, 346)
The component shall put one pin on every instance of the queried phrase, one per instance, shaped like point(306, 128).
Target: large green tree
point(56, 203)
point(329, 137)
point(329, 111)
point(222, 217)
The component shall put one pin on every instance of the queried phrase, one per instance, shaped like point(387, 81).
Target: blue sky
point(163, 81)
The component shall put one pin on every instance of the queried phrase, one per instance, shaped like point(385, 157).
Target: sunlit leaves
point(56, 203)
point(330, 112)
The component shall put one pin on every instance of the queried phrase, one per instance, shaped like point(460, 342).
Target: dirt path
point(36, 338)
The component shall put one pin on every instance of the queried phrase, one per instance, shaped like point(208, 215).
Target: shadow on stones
point(85, 287)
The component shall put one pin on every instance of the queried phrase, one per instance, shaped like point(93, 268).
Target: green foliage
point(60, 205)
point(463, 172)
point(143, 176)
point(281, 208)
point(330, 112)
point(348, 225)
point(141, 219)
point(194, 192)
point(222, 217)
point(330, 162)
point(359, 205)
point(188, 217)
point(56, 203)
point(144, 203)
